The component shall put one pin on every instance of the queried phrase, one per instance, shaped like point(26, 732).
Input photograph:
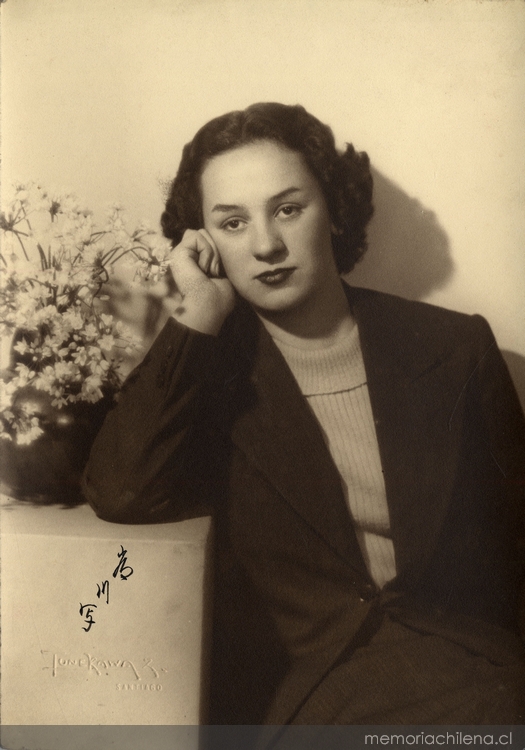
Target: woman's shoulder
point(378, 299)
point(411, 316)
point(417, 334)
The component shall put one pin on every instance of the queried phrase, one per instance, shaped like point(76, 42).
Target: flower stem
point(22, 244)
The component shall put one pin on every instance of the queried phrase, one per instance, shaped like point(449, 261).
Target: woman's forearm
point(134, 473)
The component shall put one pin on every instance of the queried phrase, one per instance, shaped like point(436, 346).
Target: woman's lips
point(275, 276)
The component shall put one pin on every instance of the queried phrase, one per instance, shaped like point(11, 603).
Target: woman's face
point(268, 217)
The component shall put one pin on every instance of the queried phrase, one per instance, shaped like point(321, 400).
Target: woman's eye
point(232, 224)
point(289, 210)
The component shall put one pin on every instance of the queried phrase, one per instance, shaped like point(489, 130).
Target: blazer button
point(367, 592)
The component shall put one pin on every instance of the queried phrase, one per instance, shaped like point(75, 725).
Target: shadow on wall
point(408, 250)
point(409, 255)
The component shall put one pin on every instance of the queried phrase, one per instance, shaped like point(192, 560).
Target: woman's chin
point(277, 302)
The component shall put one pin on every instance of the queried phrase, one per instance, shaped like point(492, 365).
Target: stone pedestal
point(102, 624)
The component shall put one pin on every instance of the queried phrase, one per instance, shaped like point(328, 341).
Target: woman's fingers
point(187, 265)
point(206, 299)
point(198, 248)
point(205, 253)
point(210, 262)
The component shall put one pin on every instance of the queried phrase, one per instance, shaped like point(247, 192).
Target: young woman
point(364, 455)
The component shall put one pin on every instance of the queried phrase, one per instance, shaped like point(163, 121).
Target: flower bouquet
point(67, 348)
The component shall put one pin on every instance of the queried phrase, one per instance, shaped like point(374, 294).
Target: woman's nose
point(268, 243)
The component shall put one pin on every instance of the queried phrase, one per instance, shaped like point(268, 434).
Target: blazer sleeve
point(138, 469)
point(504, 422)
point(503, 425)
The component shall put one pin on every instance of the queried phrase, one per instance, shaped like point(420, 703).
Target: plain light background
point(100, 97)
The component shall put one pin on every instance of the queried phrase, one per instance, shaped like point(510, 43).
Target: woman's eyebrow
point(224, 207)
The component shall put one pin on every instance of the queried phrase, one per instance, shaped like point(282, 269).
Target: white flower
point(55, 264)
point(25, 375)
point(21, 346)
point(27, 436)
point(107, 342)
point(90, 331)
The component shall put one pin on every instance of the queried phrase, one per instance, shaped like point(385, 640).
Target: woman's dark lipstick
point(275, 276)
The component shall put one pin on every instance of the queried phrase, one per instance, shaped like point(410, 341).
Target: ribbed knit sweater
point(333, 381)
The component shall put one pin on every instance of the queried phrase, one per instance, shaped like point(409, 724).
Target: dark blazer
point(221, 421)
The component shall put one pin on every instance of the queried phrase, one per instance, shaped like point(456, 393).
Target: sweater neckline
point(332, 369)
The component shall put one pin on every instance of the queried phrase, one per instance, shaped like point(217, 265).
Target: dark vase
point(48, 470)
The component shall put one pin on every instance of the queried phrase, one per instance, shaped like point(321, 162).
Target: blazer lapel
point(279, 434)
point(411, 402)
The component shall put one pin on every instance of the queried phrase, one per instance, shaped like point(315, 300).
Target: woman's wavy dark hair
point(345, 178)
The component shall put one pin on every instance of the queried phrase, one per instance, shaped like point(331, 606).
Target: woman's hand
point(207, 298)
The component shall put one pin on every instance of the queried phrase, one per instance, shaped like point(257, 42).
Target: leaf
point(42, 257)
